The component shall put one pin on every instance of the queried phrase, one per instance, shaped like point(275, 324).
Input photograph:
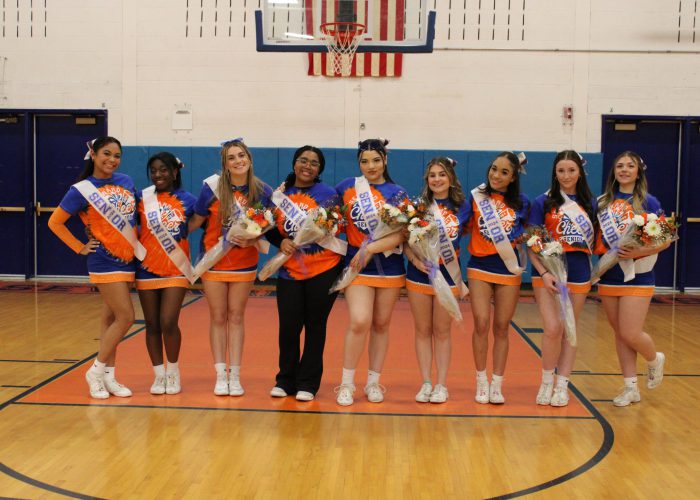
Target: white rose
point(410, 208)
point(394, 212)
point(652, 218)
point(323, 213)
point(638, 219)
point(415, 220)
point(254, 229)
point(533, 240)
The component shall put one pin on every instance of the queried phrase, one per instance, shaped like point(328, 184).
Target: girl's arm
point(57, 224)
point(195, 222)
point(382, 245)
point(639, 252)
point(547, 278)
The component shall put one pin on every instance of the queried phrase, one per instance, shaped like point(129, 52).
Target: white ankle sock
point(348, 377)
point(98, 368)
point(496, 379)
point(630, 381)
point(159, 370)
point(562, 381)
point(172, 368)
point(372, 377)
point(547, 376)
point(235, 372)
point(655, 362)
point(481, 376)
point(110, 372)
point(220, 368)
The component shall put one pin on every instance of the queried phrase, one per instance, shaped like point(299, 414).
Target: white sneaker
point(235, 388)
point(305, 396)
point(423, 395)
point(560, 397)
point(96, 385)
point(221, 387)
point(482, 391)
point(158, 386)
point(172, 383)
point(345, 393)
point(495, 394)
point(544, 395)
point(628, 396)
point(656, 374)
point(439, 394)
point(375, 392)
point(116, 389)
point(278, 392)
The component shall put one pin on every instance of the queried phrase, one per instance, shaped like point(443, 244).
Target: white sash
point(497, 232)
point(369, 211)
point(612, 236)
point(297, 216)
point(447, 251)
point(171, 247)
point(579, 218)
point(213, 182)
point(111, 214)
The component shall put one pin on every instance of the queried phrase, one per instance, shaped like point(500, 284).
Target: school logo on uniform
point(171, 218)
point(119, 198)
point(565, 230)
point(304, 202)
point(622, 214)
point(451, 222)
point(506, 214)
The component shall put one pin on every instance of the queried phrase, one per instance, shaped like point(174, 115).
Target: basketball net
point(342, 40)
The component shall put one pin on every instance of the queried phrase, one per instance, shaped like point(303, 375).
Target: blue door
point(658, 142)
point(60, 148)
point(689, 275)
point(15, 202)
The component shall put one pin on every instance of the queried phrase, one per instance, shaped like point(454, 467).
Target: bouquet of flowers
point(424, 240)
point(394, 216)
point(320, 223)
point(646, 230)
point(551, 255)
point(247, 223)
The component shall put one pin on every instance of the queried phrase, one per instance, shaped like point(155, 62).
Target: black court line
point(39, 484)
point(605, 446)
point(533, 330)
point(608, 437)
point(605, 374)
point(309, 412)
point(15, 386)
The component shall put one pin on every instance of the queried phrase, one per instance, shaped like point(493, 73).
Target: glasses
point(305, 161)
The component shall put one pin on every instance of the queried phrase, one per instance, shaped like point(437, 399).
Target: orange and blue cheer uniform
point(564, 230)
point(113, 260)
point(380, 271)
point(455, 218)
point(613, 283)
point(485, 263)
point(157, 270)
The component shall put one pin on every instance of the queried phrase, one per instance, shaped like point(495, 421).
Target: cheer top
point(208, 205)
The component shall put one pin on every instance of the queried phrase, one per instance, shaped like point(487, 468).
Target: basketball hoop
point(342, 40)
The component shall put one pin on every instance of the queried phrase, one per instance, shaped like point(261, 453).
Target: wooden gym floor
point(58, 443)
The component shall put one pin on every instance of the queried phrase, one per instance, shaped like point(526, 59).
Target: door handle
point(693, 219)
point(12, 209)
point(39, 209)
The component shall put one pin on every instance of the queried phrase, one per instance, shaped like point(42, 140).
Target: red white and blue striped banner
point(388, 24)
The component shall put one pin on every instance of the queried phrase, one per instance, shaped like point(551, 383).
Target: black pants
point(303, 304)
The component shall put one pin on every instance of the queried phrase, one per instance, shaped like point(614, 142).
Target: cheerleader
point(499, 211)
point(432, 323)
point(372, 295)
point(626, 289)
point(303, 301)
point(162, 278)
point(566, 210)
point(228, 283)
point(104, 200)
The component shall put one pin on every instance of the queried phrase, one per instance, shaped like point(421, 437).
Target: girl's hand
point(288, 247)
point(549, 282)
point(420, 265)
point(90, 246)
point(356, 264)
point(243, 242)
point(633, 252)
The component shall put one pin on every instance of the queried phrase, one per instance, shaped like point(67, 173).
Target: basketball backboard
point(390, 25)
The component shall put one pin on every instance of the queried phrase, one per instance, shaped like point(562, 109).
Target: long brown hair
point(641, 188)
point(225, 188)
point(455, 193)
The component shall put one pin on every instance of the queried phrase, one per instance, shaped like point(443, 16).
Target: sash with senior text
point(369, 211)
point(447, 251)
point(612, 235)
point(166, 240)
point(497, 232)
point(111, 214)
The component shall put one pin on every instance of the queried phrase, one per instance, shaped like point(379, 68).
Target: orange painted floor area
point(400, 376)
